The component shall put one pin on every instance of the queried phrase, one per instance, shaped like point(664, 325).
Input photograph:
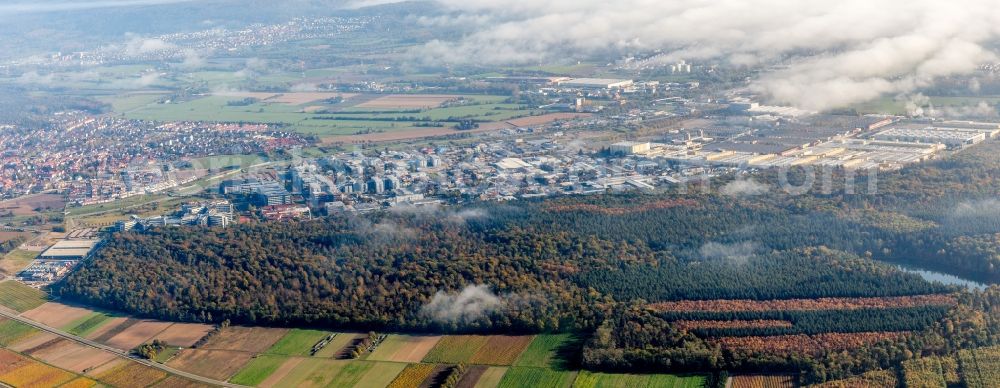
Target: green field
point(257, 370)
point(348, 121)
point(130, 102)
point(220, 162)
point(543, 351)
point(381, 374)
point(85, 325)
point(891, 105)
point(454, 349)
point(297, 342)
point(17, 260)
point(20, 297)
point(12, 331)
point(389, 346)
point(317, 372)
point(352, 374)
point(166, 354)
point(606, 380)
point(524, 377)
point(492, 377)
point(339, 342)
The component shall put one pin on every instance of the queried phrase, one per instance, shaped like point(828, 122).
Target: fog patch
point(739, 253)
point(474, 302)
point(442, 213)
point(974, 217)
point(744, 187)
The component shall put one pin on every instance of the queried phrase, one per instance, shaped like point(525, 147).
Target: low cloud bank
point(472, 303)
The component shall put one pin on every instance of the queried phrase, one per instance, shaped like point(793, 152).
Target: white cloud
point(832, 53)
point(58, 6)
point(744, 187)
point(472, 303)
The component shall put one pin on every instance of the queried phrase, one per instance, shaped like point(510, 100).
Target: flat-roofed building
point(597, 83)
point(70, 250)
point(948, 137)
point(629, 148)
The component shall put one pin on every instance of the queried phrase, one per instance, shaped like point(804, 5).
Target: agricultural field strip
point(735, 305)
point(117, 352)
point(32, 360)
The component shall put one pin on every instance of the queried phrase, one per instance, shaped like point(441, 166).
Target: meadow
point(298, 112)
point(20, 297)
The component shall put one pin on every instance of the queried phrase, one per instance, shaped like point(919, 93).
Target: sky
point(831, 53)
point(21, 7)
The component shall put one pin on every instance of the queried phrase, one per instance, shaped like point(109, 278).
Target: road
point(7, 314)
point(188, 190)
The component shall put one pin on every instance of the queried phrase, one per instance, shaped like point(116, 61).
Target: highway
point(118, 352)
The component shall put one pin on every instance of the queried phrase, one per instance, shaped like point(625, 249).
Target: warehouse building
point(597, 83)
point(629, 148)
point(70, 250)
point(953, 138)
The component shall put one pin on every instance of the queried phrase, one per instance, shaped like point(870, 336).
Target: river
point(950, 280)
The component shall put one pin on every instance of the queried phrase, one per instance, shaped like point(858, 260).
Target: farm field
point(183, 334)
point(490, 378)
point(412, 376)
point(85, 325)
point(891, 105)
point(136, 334)
point(356, 115)
point(13, 331)
point(297, 342)
point(261, 367)
point(32, 342)
point(604, 380)
point(406, 101)
point(34, 374)
point(543, 350)
point(404, 348)
point(246, 339)
point(217, 364)
point(8, 236)
point(501, 350)
point(524, 377)
point(454, 349)
point(57, 314)
point(101, 331)
point(227, 161)
point(756, 381)
point(20, 297)
point(71, 356)
point(130, 374)
point(16, 260)
point(179, 382)
point(130, 101)
point(33, 204)
point(315, 372)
